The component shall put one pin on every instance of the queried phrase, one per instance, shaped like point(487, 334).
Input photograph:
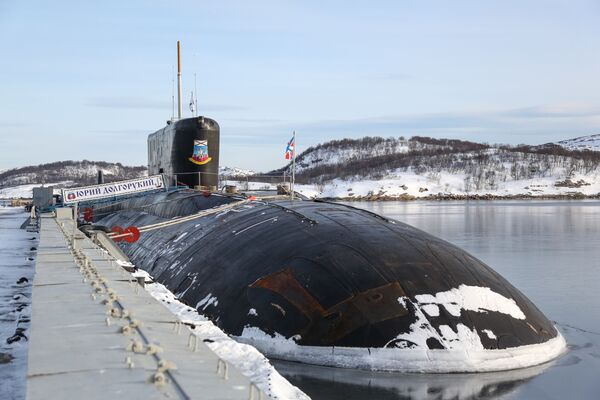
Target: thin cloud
point(254, 120)
point(551, 112)
point(13, 124)
point(528, 124)
point(220, 107)
point(394, 76)
point(128, 102)
point(122, 131)
point(531, 118)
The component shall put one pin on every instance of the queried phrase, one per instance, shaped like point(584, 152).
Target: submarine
point(324, 283)
point(319, 282)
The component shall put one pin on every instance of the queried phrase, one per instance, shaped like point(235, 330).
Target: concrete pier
point(96, 334)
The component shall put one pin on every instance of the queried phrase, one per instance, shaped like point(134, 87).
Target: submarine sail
point(187, 151)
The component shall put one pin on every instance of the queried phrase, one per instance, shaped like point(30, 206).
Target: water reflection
point(343, 384)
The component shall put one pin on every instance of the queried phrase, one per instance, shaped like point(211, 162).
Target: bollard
point(141, 280)
point(222, 368)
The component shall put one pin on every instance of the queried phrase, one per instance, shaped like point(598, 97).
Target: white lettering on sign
point(86, 193)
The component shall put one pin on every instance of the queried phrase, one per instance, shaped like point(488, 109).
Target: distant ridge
point(590, 142)
point(226, 172)
point(68, 173)
point(377, 157)
point(19, 182)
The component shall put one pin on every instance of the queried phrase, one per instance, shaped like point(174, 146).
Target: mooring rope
point(175, 221)
point(108, 206)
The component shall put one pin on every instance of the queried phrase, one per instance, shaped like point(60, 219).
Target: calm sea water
point(550, 250)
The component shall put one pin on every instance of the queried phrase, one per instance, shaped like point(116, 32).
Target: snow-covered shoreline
point(407, 187)
point(392, 190)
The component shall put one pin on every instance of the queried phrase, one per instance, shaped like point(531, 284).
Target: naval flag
point(192, 103)
point(289, 150)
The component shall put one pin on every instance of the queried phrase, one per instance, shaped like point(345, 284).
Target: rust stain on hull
point(328, 325)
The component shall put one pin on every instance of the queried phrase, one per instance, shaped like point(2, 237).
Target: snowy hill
point(421, 167)
point(19, 182)
point(591, 142)
point(226, 172)
point(343, 151)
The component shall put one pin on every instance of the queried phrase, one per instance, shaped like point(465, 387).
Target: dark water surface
point(550, 250)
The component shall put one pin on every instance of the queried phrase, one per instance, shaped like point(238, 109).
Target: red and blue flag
point(289, 150)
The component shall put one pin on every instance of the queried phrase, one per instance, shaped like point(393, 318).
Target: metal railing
point(245, 182)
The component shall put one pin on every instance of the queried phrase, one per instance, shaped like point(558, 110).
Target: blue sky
point(92, 79)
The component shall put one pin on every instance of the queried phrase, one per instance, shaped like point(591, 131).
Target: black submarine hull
point(330, 284)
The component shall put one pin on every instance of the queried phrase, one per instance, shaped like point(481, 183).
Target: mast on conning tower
point(179, 88)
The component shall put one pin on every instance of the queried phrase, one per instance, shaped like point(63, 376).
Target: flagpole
point(294, 165)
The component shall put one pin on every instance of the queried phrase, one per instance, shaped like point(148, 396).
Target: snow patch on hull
point(406, 360)
point(473, 298)
point(462, 349)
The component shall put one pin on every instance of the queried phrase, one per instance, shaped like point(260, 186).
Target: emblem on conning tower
point(200, 154)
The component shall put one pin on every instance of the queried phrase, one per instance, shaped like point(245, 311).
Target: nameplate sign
point(114, 189)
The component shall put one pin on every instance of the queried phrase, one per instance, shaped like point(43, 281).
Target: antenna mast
point(173, 93)
point(179, 99)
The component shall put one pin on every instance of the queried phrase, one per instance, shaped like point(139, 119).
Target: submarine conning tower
point(187, 152)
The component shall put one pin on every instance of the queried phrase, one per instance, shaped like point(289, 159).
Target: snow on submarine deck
point(329, 284)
